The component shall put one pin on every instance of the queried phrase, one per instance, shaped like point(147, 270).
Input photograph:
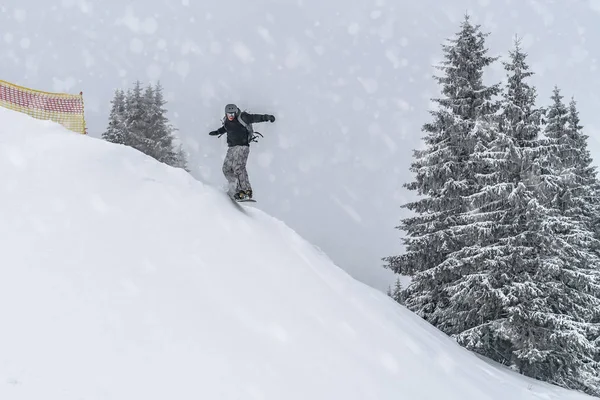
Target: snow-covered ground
point(122, 278)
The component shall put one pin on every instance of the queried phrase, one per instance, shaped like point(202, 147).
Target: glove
point(213, 133)
point(270, 118)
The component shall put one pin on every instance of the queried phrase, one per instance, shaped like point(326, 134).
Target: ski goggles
point(230, 115)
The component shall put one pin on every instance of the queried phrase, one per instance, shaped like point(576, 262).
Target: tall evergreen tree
point(116, 129)
point(518, 305)
point(446, 177)
point(502, 252)
point(558, 317)
point(586, 181)
point(569, 174)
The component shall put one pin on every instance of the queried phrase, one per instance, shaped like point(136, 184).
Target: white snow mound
point(122, 278)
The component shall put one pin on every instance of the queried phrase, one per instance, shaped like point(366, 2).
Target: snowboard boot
point(241, 195)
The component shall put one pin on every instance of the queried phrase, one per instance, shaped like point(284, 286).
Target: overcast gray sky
point(349, 83)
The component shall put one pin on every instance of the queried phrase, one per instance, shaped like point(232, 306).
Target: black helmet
point(231, 109)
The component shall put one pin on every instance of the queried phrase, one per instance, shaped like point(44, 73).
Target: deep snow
point(122, 278)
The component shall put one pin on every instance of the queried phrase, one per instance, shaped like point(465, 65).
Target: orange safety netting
point(66, 109)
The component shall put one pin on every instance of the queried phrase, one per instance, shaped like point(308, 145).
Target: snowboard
point(246, 201)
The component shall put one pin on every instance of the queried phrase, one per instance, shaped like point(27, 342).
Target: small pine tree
point(396, 293)
point(162, 130)
point(181, 159)
point(116, 130)
point(135, 122)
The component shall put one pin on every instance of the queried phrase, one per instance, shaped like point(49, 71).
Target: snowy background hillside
point(117, 282)
point(350, 84)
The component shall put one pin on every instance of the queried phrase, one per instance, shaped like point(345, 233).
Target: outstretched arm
point(219, 131)
point(254, 118)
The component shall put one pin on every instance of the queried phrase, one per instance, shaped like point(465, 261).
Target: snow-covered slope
point(122, 278)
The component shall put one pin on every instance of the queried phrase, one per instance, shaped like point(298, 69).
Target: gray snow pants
point(234, 168)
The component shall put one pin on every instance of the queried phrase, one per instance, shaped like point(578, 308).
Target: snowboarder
point(238, 126)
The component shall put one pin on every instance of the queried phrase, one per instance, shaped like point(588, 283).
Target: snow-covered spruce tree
point(559, 317)
point(446, 177)
point(135, 122)
point(116, 130)
point(587, 185)
point(160, 131)
point(501, 252)
point(173, 155)
point(571, 179)
point(396, 293)
point(509, 300)
point(138, 119)
point(150, 134)
point(181, 159)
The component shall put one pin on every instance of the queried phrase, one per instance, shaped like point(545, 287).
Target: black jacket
point(237, 135)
